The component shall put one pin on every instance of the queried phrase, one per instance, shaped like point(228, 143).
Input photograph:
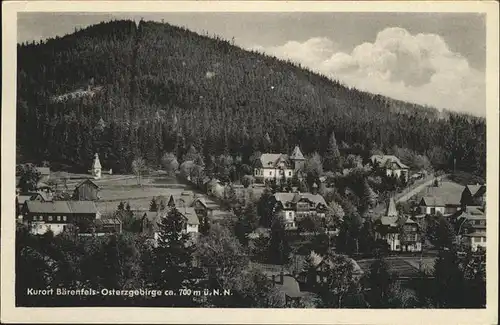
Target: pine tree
point(153, 206)
point(279, 247)
point(332, 155)
point(173, 269)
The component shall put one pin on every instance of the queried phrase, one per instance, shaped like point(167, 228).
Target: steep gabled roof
point(477, 190)
point(432, 201)
point(284, 197)
point(388, 161)
point(96, 164)
point(190, 215)
point(271, 160)
point(391, 209)
point(86, 181)
point(297, 154)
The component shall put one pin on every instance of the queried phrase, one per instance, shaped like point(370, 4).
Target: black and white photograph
point(250, 159)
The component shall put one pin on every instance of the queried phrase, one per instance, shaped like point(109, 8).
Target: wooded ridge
point(125, 90)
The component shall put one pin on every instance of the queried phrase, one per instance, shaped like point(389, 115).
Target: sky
point(435, 59)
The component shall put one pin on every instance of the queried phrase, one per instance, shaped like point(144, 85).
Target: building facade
point(278, 166)
point(391, 165)
point(401, 233)
point(86, 191)
point(58, 215)
point(295, 206)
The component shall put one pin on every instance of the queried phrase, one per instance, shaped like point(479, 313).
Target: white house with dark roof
point(431, 205)
point(391, 164)
point(295, 206)
point(279, 165)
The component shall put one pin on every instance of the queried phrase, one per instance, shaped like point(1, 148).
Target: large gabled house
point(295, 206)
point(278, 165)
point(391, 165)
point(56, 216)
point(401, 233)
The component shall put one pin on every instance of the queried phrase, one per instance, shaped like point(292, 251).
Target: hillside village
point(184, 163)
point(405, 232)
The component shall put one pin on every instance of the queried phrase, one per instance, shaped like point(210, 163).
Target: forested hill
point(124, 90)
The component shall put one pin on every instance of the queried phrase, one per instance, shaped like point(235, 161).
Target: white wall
point(427, 209)
point(40, 228)
point(289, 217)
point(191, 228)
point(271, 173)
point(475, 244)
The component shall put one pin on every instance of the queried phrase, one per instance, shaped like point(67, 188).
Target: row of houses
point(278, 165)
point(403, 232)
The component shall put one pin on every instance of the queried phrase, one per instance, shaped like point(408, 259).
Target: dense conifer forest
point(126, 90)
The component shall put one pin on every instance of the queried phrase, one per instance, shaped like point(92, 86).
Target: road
point(414, 191)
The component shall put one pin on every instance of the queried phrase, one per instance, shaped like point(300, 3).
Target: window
point(433, 210)
point(64, 218)
point(397, 247)
point(34, 218)
point(477, 239)
point(484, 239)
point(289, 173)
point(270, 173)
point(58, 218)
point(50, 218)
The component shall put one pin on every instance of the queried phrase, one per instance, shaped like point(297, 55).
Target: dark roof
point(273, 159)
point(86, 181)
point(75, 207)
point(23, 197)
point(477, 190)
point(284, 197)
point(388, 161)
point(432, 201)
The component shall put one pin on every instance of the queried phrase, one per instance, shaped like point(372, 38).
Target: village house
point(56, 216)
point(45, 189)
point(277, 165)
point(86, 191)
point(150, 222)
point(431, 205)
point(392, 165)
point(401, 232)
point(188, 199)
point(471, 223)
point(296, 206)
point(316, 271)
point(473, 195)
point(22, 198)
point(44, 173)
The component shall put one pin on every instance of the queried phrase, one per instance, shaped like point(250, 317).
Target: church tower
point(297, 158)
point(96, 167)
